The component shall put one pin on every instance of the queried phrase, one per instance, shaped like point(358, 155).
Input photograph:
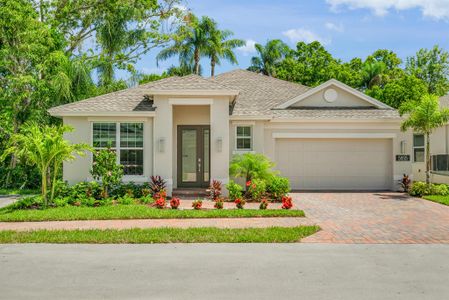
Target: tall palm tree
point(220, 47)
point(268, 57)
point(424, 117)
point(192, 42)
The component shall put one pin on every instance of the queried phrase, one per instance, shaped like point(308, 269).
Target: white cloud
point(249, 48)
point(304, 35)
point(334, 27)
point(436, 9)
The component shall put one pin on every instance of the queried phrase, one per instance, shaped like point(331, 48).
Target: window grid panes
point(129, 141)
point(104, 135)
point(418, 148)
point(244, 138)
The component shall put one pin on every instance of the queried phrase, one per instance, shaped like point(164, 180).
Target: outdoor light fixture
point(161, 144)
point(403, 147)
point(219, 144)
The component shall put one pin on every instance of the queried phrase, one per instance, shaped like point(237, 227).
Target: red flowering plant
point(219, 203)
point(160, 203)
point(214, 190)
point(263, 204)
point(197, 204)
point(174, 203)
point(287, 202)
point(239, 203)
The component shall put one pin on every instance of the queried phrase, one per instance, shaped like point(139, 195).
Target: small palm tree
point(424, 117)
point(45, 148)
point(220, 47)
point(268, 57)
point(192, 42)
point(373, 73)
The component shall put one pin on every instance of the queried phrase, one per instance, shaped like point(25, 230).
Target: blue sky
point(348, 28)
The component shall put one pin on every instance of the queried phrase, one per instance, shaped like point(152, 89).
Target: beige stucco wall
point(182, 110)
point(79, 170)
point(344, 99)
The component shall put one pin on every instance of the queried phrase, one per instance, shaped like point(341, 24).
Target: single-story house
point(186, 129)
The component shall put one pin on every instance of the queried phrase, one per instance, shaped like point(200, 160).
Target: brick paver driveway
point(374, 218)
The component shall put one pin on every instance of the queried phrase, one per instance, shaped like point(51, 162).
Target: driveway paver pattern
point(369, 218)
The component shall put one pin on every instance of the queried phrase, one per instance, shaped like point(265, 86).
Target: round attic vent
point(330, 95)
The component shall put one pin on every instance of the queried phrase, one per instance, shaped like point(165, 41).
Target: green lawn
point(18, 192)
point(161, 235)
point(439, 199)
point(135, 212)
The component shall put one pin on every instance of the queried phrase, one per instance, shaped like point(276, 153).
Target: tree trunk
point(44, 186)
point(53, 183)
point(197, 61)
point(13, 162)
point(427, 158)
point(212, 67)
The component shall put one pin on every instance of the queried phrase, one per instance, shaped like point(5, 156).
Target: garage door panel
point(335, 163)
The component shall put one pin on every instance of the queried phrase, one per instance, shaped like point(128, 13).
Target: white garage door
point(336, 164)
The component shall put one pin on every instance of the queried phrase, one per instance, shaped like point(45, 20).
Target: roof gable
point(333, 94)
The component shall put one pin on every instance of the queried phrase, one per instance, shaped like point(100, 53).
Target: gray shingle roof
point(354, 114)
point(258, 95)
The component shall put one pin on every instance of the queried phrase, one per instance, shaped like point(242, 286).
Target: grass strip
point(116, 212)
point(438, 199)
point(161, 235)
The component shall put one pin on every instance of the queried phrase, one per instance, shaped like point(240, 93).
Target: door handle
point(199, 165)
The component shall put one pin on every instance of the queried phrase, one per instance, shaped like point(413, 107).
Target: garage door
point(336, 164)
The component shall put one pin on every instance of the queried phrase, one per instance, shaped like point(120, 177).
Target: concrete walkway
point(7, 200)
point(153, 223)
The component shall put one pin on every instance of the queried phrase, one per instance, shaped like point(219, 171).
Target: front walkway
point(374, 218)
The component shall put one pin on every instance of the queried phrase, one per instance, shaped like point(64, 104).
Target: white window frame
point(251, 137)
point(117, 147)
point(423, 147)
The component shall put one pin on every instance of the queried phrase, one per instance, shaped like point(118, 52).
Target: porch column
point(219, 128)
point(163, 142)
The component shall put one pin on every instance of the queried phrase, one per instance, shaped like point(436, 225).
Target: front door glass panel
point(189, 155)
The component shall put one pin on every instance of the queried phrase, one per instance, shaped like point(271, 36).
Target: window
point(126, 139)
point(244, 138)
point(418, 148)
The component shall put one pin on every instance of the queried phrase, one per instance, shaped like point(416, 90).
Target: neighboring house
point(186, 129)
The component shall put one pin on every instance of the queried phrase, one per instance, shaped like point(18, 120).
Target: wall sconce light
point(161, 145)
point(219, 144)
point(403, 147)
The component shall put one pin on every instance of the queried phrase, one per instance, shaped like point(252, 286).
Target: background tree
point(191, 43)
point(220, 46)
point(269, 55)
point(431, 66)
point(424, 117)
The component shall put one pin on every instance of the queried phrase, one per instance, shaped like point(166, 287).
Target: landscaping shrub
point(405, 183)
point(125, 200)
point(131, 189)
point(240, 203)
point(87, 201)
point(214, 190)
point(235, 190)
point(61, 202)
point(251, 166)
point(419, 188)
point(174, 203)
point(160, 203)
point(219, 203)
point(263, 204)
point(106, 169)
point(197, 204)
point(256, 189)
point(146, 199)
point(278, 187)
point(287, 202)
point(28, 203)
point(157, 185)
